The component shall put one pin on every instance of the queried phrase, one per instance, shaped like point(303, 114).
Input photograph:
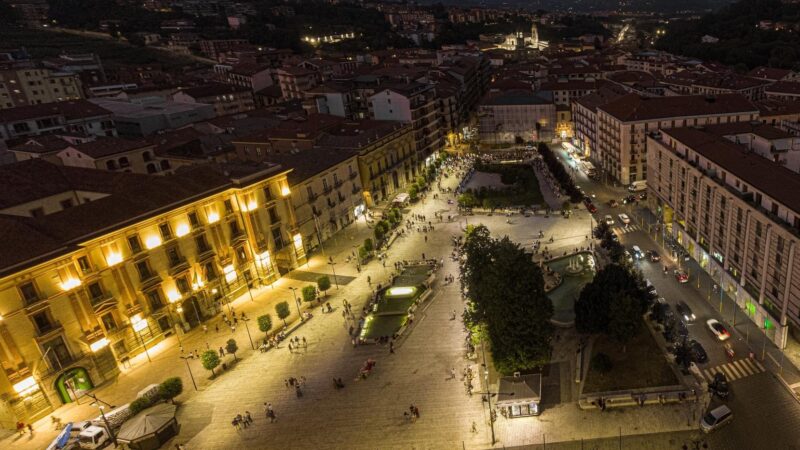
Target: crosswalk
point(626, 229)
point(734, 370)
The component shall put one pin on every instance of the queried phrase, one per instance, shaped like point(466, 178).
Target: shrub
point(170, 388)
point(368, 244)
point(413, 192)
point(602, 363)
point(362, 253)
point(139, 405)
point(379, 231)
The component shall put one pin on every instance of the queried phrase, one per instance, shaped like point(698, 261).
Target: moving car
point(638, 186)
point(681, 276)
point(699, 354)
point(716, 418)
point(589, 205)
point(718, 329)
point(624, 218)
point(685, 311)
point(637, 252)
point(609, 220)
point(629, 199)
point(719, 386)
point(653, 255)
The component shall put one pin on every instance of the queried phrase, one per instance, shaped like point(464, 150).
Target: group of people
point(412, 414)
point(242, 421)
point(297, 343)
point(297, 383)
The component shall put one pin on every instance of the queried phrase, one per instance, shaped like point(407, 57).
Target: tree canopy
point(506, 289)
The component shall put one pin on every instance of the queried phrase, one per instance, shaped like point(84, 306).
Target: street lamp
point(332, 264)
point(103, 414)
point(245, 320)
point(138, 325)
point(186, 360)
point(296, 303)
point(358, 258)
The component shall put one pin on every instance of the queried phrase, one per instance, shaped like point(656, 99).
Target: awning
point(401, 198)
point(147, 423)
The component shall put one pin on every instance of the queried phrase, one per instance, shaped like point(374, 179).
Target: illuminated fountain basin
point(576, 271)
point(390, 311)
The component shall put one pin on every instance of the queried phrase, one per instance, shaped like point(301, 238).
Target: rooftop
point(212, 90)
point(515, 97)
point(70, 109)
point(634, 108)
point(772, 179)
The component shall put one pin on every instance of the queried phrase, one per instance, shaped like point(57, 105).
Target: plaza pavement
point(366, 413)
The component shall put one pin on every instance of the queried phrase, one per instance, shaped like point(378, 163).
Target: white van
point(716, 418)
point(93, 437)
point(638, 186)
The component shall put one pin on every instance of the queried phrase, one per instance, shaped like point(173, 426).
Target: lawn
point(42, 43)
point(517, 186)
point(642, 365)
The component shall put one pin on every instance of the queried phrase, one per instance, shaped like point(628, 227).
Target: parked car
point(699, 354)
point(681, 329)
point(685, 311)
point(681, 276)
point(718, 329)
point(609, 220)
point(716, 418)
point(653, 256)
point(719, 386)
point(629, 199)
point(624, 218)
point(589, 205)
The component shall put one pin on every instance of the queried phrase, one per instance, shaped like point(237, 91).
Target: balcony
point(338, 183)
point(353, 175)
point(48, 330)
point(312, 197)
point(327, 190)
point(178, 265)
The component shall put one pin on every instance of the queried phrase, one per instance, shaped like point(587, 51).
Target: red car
point(681, 276)
point(590, 206)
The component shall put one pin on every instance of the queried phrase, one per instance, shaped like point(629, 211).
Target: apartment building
point(515, 116)
point(294, 81)
point(414, 103)
point(738, 214)
point(584, 115)
point(25, 84)
point(225, 98)
point(72, 116)
point(623, 124)
point(97, 267)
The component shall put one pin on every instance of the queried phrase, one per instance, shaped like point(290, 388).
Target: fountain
point(575, 265)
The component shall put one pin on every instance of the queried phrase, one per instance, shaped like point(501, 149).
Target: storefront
point(520, 395)
point(71, 384)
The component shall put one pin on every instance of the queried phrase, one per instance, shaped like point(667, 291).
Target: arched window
point(111, 165)
point(151, 168)
point(165, 164)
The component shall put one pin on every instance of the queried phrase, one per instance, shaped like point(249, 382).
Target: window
point(193, 220)
point(211, 271)
point(235, 230)
point(135, 243)
point(29, 293)
point(165, 230)
point(310, 192)
point(43, 322)
point(241, 255)
point(83, 263)
point(145, 273)
point(277, 238)
point(268, 194)
point(151, 168)
point(155, 300)
point(165, 165)
point(37, 212)
point(273, 215)
point(228, 207)
point(202, 244)
point(123, 162)
point(183, 285)
point(65, 204)
point(111, 165)
point(174, 256)
point(58, 354)
point(95, 290)
point(109, 322)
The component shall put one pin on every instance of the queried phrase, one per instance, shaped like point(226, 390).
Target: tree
point(625, 318)
point(368, 244)
point(362, 253)
point(506, 292)
point(232, 348)
point(265, 323)
point(379, 232)
point(324, 283)
point(467, 200)
point(601, 301)
point(413, 192)
point(210, 360)
point(309, 293)
point(170, 388)
point(282, 309)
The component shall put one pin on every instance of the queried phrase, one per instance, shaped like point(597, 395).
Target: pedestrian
point(305, 343)
point(221, 352)
point(391, 346)
point(205, 329)
point(303, 381)
point(216, 328)
point(286, 382)
point(474, 427)
point(369, 280)
point(30, 429)
point(247, 417)
point(290, 348)
point(297, 391)
point(453, 373)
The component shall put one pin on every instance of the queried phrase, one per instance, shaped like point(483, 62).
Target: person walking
point(247, 417)
point(474, 428)
point(453, 373)
point(391, 346)
point(290, 348)
point(221, 352)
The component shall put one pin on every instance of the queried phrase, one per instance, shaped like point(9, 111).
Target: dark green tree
point(232, 348)
point(210, 360)
point(282, 310)
point(324, 282)
point(265, 323)
point(170, 388)
point(309, 293)
point(624, 318)
point(594, 304)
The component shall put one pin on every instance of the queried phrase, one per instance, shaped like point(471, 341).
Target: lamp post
point(358, 258)
point(296, 303)
point(186, 360)
point(488, 396)
point(332, 264)
point(245, 320)
point(103, 414)
point(138, 333)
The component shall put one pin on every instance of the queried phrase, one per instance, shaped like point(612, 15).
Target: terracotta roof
point(572, 85)
point(131, 198)
point(515, 97)
point(772, 179)
point(104, 146)
point(755, 127)
point(769, 73)
point(70, 109)
point(633, 107)
point(307, 163)
point(784, 87)
point(42, 145)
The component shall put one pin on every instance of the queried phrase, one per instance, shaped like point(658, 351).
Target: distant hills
point(665, 6)
point(751, 33)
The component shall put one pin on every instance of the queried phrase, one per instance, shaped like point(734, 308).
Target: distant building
point(143, 117)
point(413, 103)
point(24, 84)
point(515, 116)
point(79, 117)
point(226, 99)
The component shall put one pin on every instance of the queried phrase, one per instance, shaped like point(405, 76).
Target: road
point(759, 401)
